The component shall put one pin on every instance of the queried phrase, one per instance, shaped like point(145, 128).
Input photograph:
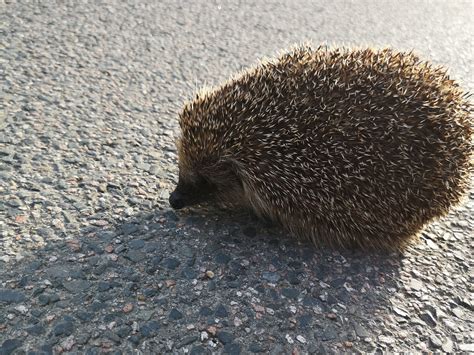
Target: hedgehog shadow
point(346, 292)
point(355, 286)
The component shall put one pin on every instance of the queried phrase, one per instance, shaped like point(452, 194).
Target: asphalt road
point(93, 260)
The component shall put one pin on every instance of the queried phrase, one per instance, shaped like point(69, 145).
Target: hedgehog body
point(346, 147)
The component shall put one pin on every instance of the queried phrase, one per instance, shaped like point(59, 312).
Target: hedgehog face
point(191, 191)
point(215, 183)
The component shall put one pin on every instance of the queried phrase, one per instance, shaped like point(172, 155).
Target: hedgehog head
point(204, 178)
point(216, 183)
point(193, 188)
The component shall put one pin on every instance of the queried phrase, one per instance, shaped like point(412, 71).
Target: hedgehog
point(342, 147)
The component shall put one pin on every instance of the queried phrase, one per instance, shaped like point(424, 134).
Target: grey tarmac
point(92, 258)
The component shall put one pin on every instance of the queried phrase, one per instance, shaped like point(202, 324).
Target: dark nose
point(176, 200)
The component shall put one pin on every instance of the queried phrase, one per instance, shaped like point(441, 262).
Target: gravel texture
point(93, 260)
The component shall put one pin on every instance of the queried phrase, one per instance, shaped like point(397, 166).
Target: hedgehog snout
point(191, 193)
point(177, 200)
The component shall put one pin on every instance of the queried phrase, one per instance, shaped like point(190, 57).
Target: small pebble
point(301, 339)
point(127, 308)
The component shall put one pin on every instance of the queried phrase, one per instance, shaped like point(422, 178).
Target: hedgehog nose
point(176, 200)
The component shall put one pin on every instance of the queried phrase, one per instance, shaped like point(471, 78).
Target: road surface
point(93, 260)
